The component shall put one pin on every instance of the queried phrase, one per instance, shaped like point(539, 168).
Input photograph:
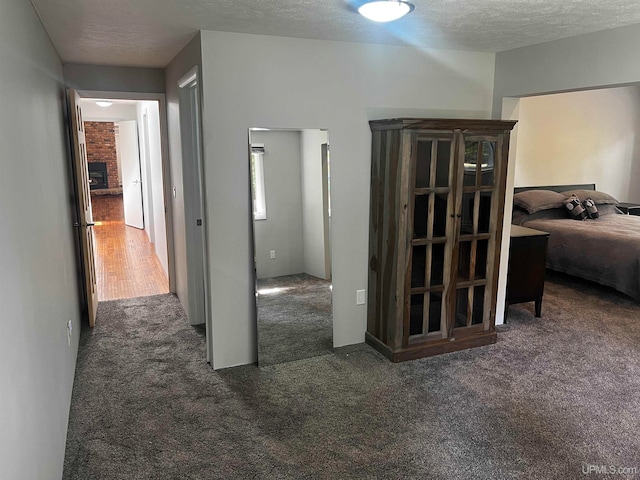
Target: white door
point(192, 172)
point(131, 182)
point(85, 217)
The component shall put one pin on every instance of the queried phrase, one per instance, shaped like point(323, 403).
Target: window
point(257, 183)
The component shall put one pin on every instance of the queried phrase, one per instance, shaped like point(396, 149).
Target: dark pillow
point(574, 208)
point(535, 200)
point(599, 198)
point(518, 215)
point(521, 217)
point(608, 210)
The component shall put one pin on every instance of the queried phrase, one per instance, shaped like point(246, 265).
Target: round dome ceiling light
point(104, 103)
point(385, 10)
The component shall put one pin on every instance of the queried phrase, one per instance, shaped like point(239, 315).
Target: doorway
point(124, 154)
point(198, 308)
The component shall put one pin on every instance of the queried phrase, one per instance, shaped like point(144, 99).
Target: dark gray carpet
point(296, 322)
point(552, 397)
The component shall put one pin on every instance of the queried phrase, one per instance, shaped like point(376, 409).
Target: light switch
point(272, 254)
point(360, 297)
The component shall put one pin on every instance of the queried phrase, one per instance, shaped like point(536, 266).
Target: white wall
point(154, 177)
point(39, 289)
point(282, 229)
point(581, 137)
point(313, 208)
point(189, 57)
point(254, 80)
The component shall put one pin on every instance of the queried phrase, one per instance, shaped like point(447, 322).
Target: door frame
point(166, 170)
point(190, 117)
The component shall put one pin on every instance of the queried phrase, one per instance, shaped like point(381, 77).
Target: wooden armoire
point(437, 202)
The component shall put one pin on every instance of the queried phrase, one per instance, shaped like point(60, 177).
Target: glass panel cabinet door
point(431, 193)
point(437, 192)
point(475, 231)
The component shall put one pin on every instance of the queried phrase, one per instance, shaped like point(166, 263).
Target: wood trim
point(418, 350)
point(430, 190)
point(419, 290)
point(375, 233)
point(474, 125)
point(405, 251)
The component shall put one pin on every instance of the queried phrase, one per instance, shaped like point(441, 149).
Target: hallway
point(126, 263)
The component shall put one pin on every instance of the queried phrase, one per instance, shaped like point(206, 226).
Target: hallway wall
point(114, 79)
point(39, 293)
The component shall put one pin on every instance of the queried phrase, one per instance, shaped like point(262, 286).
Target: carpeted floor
point(294, 318)
point(552, 397)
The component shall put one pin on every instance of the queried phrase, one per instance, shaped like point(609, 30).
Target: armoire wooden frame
point(436, 213)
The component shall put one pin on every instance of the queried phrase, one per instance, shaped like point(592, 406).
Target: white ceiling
point(119, 110)
point(150, 33)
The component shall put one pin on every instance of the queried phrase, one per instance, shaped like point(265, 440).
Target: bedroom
point(587, 136)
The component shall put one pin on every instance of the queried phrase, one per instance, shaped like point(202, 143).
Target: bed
point(605, 249)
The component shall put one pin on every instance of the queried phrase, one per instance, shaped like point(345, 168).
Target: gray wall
point(313, 207)
point(282, 229)
point(252, 80)
point(39, 293)
point(600, 59)
point(188, 58)
point(114, 79)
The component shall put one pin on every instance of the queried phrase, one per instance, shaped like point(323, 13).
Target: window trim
point(258, 196)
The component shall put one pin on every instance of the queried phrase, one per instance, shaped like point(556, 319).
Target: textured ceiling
point(151, 32)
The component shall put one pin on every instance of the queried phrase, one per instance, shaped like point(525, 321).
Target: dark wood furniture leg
point(539, 307)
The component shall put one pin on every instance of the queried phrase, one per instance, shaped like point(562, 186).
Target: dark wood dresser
point(527, 259)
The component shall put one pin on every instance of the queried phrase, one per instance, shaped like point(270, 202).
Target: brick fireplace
point(101, 149)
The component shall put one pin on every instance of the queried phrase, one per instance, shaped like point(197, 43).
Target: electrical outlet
point(360, 297)
point(272, 254)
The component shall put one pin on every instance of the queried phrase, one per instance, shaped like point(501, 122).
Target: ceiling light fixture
point(385, 10)
point(104, 103)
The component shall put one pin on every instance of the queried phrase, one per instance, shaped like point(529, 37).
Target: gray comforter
point(605, 250)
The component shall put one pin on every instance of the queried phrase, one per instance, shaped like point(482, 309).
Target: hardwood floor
point(126, 263)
